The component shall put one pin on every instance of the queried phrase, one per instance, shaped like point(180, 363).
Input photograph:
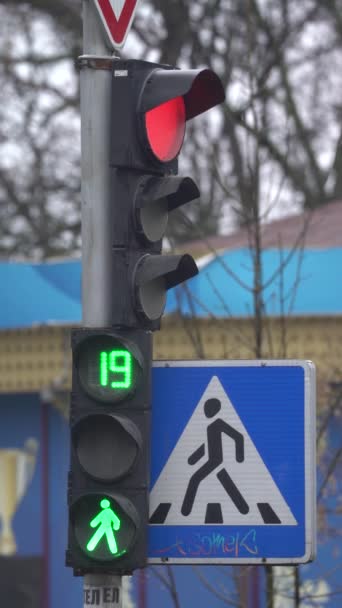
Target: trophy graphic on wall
point(16, 471)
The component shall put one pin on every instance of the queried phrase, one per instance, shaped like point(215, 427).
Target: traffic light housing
point(151, 105)
point(111, 391)
point(109, 473)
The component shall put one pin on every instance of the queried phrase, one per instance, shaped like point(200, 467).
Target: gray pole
point(99, 590)
point(95, 116)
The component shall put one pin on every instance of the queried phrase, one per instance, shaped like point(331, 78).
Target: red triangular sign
point(117, 17)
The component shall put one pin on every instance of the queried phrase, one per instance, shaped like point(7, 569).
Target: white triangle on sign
point(117, 6)
point(259, 500)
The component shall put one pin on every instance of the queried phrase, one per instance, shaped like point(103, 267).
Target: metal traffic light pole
point(130, 183)
point(95, 65)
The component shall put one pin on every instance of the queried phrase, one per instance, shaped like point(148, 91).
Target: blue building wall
point(310, 283)
point(65, 589)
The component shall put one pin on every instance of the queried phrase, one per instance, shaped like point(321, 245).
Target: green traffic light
point(105, 528)
point(107, 521)
point(113, 363)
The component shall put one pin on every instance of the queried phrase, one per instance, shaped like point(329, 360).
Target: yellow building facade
point(38, 359)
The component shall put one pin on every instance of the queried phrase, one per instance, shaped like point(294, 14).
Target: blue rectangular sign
point(233, 462)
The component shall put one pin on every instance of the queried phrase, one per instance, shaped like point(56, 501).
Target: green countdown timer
point(108, 369)
point(116, 369)
point(104, 529)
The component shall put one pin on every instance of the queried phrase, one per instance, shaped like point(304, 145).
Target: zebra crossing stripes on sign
point(225, 465)
point(236, 461)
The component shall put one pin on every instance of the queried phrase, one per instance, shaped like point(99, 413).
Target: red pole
point(44, 417)
point(142, 589)
point(254, 588)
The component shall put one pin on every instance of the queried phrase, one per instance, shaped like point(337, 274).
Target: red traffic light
point(151, 105)
point(170, 98)
point(165, 128)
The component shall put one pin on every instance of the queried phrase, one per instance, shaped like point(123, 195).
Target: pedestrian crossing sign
point(233, 462)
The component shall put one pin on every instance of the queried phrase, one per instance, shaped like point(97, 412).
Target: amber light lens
point(165, 128)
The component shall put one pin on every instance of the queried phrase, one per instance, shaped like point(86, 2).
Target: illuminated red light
point(165, 128)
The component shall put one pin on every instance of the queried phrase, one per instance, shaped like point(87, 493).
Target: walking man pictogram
point(215, 430)
point(107, 521)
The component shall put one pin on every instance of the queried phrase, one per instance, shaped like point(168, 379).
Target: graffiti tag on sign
point(236, 544)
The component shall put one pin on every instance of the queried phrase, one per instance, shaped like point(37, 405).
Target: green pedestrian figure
point(107, 521)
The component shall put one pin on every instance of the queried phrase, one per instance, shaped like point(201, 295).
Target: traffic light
point(109, 473)
point(111, 391)
point(151, 104)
